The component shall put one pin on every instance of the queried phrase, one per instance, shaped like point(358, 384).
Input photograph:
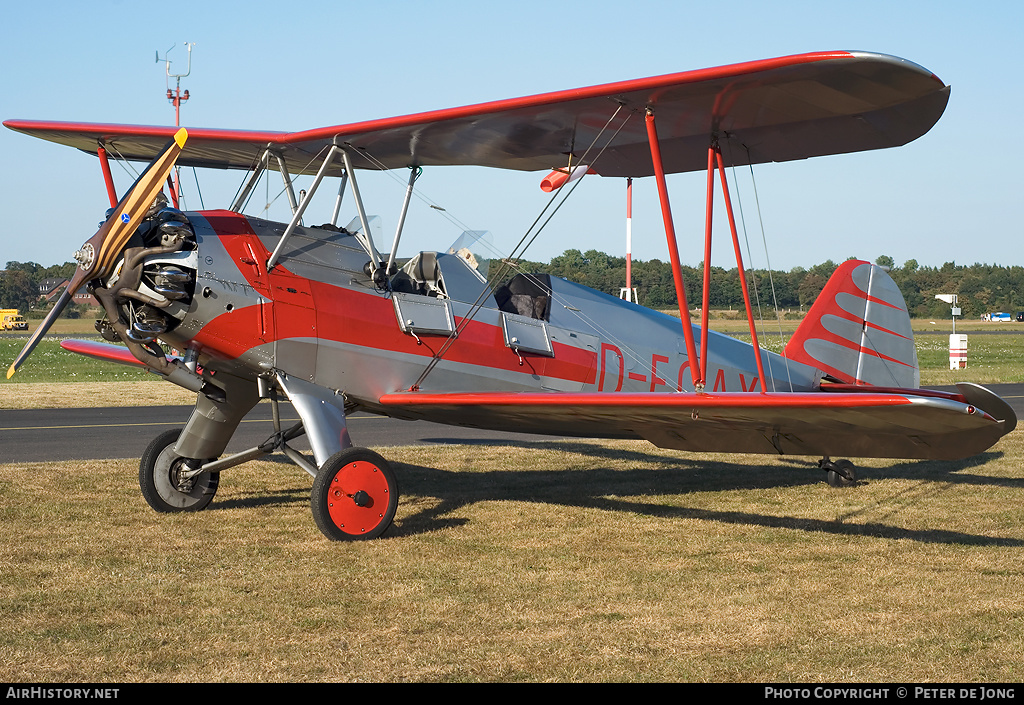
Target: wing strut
point(415, 173)
point(673, 250)
point(172, 189)
point(366, 238)
point(337, 201)
point(108, 178)
point(699, 366)
point(301, 208)
point(716, 151)
point(286, 177)
point(257, 172)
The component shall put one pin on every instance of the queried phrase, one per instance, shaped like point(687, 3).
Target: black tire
point(842, 473)
point(354, 496)
point(157, 471)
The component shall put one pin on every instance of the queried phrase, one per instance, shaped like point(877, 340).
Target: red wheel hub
point(358, 514)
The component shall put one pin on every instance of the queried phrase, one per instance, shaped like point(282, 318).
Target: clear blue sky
point(951, 195)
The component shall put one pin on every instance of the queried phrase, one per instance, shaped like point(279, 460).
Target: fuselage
point(319, 317)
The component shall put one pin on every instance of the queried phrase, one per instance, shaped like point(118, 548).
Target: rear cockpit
point(526, 295)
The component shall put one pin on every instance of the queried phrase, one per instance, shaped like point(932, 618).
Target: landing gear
point(165, 482)
point(841, 473)
point(354, 496)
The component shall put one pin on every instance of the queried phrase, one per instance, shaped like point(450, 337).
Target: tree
point(17, 290)
point(30, 268)
point(810, 287)
point(825, 269)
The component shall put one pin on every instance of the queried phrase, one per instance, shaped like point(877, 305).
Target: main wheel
point(842, 473)
point(354, 496)
point(159, 478)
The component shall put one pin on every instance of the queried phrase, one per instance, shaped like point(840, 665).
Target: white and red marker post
point(628, 292)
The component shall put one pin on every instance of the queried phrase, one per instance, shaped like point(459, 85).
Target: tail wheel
point(161, 483)
point(841, 473)
point(354, 496)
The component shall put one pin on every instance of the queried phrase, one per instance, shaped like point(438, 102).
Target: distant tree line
point(982, 288)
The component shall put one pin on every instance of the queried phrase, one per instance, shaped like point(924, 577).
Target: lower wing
point(847, 420)
point(857, 422)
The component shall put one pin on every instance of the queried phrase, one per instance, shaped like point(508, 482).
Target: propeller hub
point(85, 256)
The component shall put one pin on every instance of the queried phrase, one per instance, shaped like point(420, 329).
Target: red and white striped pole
point(629, 238)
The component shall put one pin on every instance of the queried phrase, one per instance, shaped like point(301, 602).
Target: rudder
point(858, 330)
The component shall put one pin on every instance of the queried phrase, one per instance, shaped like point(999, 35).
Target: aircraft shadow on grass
point(655, 474)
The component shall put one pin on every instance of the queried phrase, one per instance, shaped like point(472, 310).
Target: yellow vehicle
point(10, 319)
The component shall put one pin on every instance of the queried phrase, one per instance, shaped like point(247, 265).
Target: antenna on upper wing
point(176, 97)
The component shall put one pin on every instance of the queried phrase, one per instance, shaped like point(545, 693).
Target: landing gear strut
point(841, 473)
point(354, 496)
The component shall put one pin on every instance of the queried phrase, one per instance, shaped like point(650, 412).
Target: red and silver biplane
point(318, 315)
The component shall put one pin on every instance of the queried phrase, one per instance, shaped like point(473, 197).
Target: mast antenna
point(176, 98)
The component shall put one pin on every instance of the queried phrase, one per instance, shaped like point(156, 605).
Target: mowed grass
point(556, 561)
point(49, 362)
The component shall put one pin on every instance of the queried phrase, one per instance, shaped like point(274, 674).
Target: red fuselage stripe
point(563, 399)
point(304, 308)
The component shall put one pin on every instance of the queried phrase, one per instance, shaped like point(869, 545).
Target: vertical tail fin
point(858, 330)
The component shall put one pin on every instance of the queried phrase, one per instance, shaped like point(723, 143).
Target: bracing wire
point(199, 191)
point(768, 265)
point(268, 202)
point(123, 161)
point(750, 258)
point(418, 193)
point(539, 223)
point(241, 184)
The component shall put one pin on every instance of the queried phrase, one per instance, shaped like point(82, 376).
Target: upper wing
point(781, 109)
point(855, 422)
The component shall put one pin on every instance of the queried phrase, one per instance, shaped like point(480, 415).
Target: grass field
point(555, 561)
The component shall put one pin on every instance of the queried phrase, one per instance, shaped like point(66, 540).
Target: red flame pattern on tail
point(858, 330)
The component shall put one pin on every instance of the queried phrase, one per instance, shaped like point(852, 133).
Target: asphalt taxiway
point(46, 435)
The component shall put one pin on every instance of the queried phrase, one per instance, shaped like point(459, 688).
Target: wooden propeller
point(100, 253)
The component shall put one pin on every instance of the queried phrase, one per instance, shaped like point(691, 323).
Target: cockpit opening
point(444, 276)
point(526, 295)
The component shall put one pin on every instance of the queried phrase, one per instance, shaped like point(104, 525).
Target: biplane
point(318, 315)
